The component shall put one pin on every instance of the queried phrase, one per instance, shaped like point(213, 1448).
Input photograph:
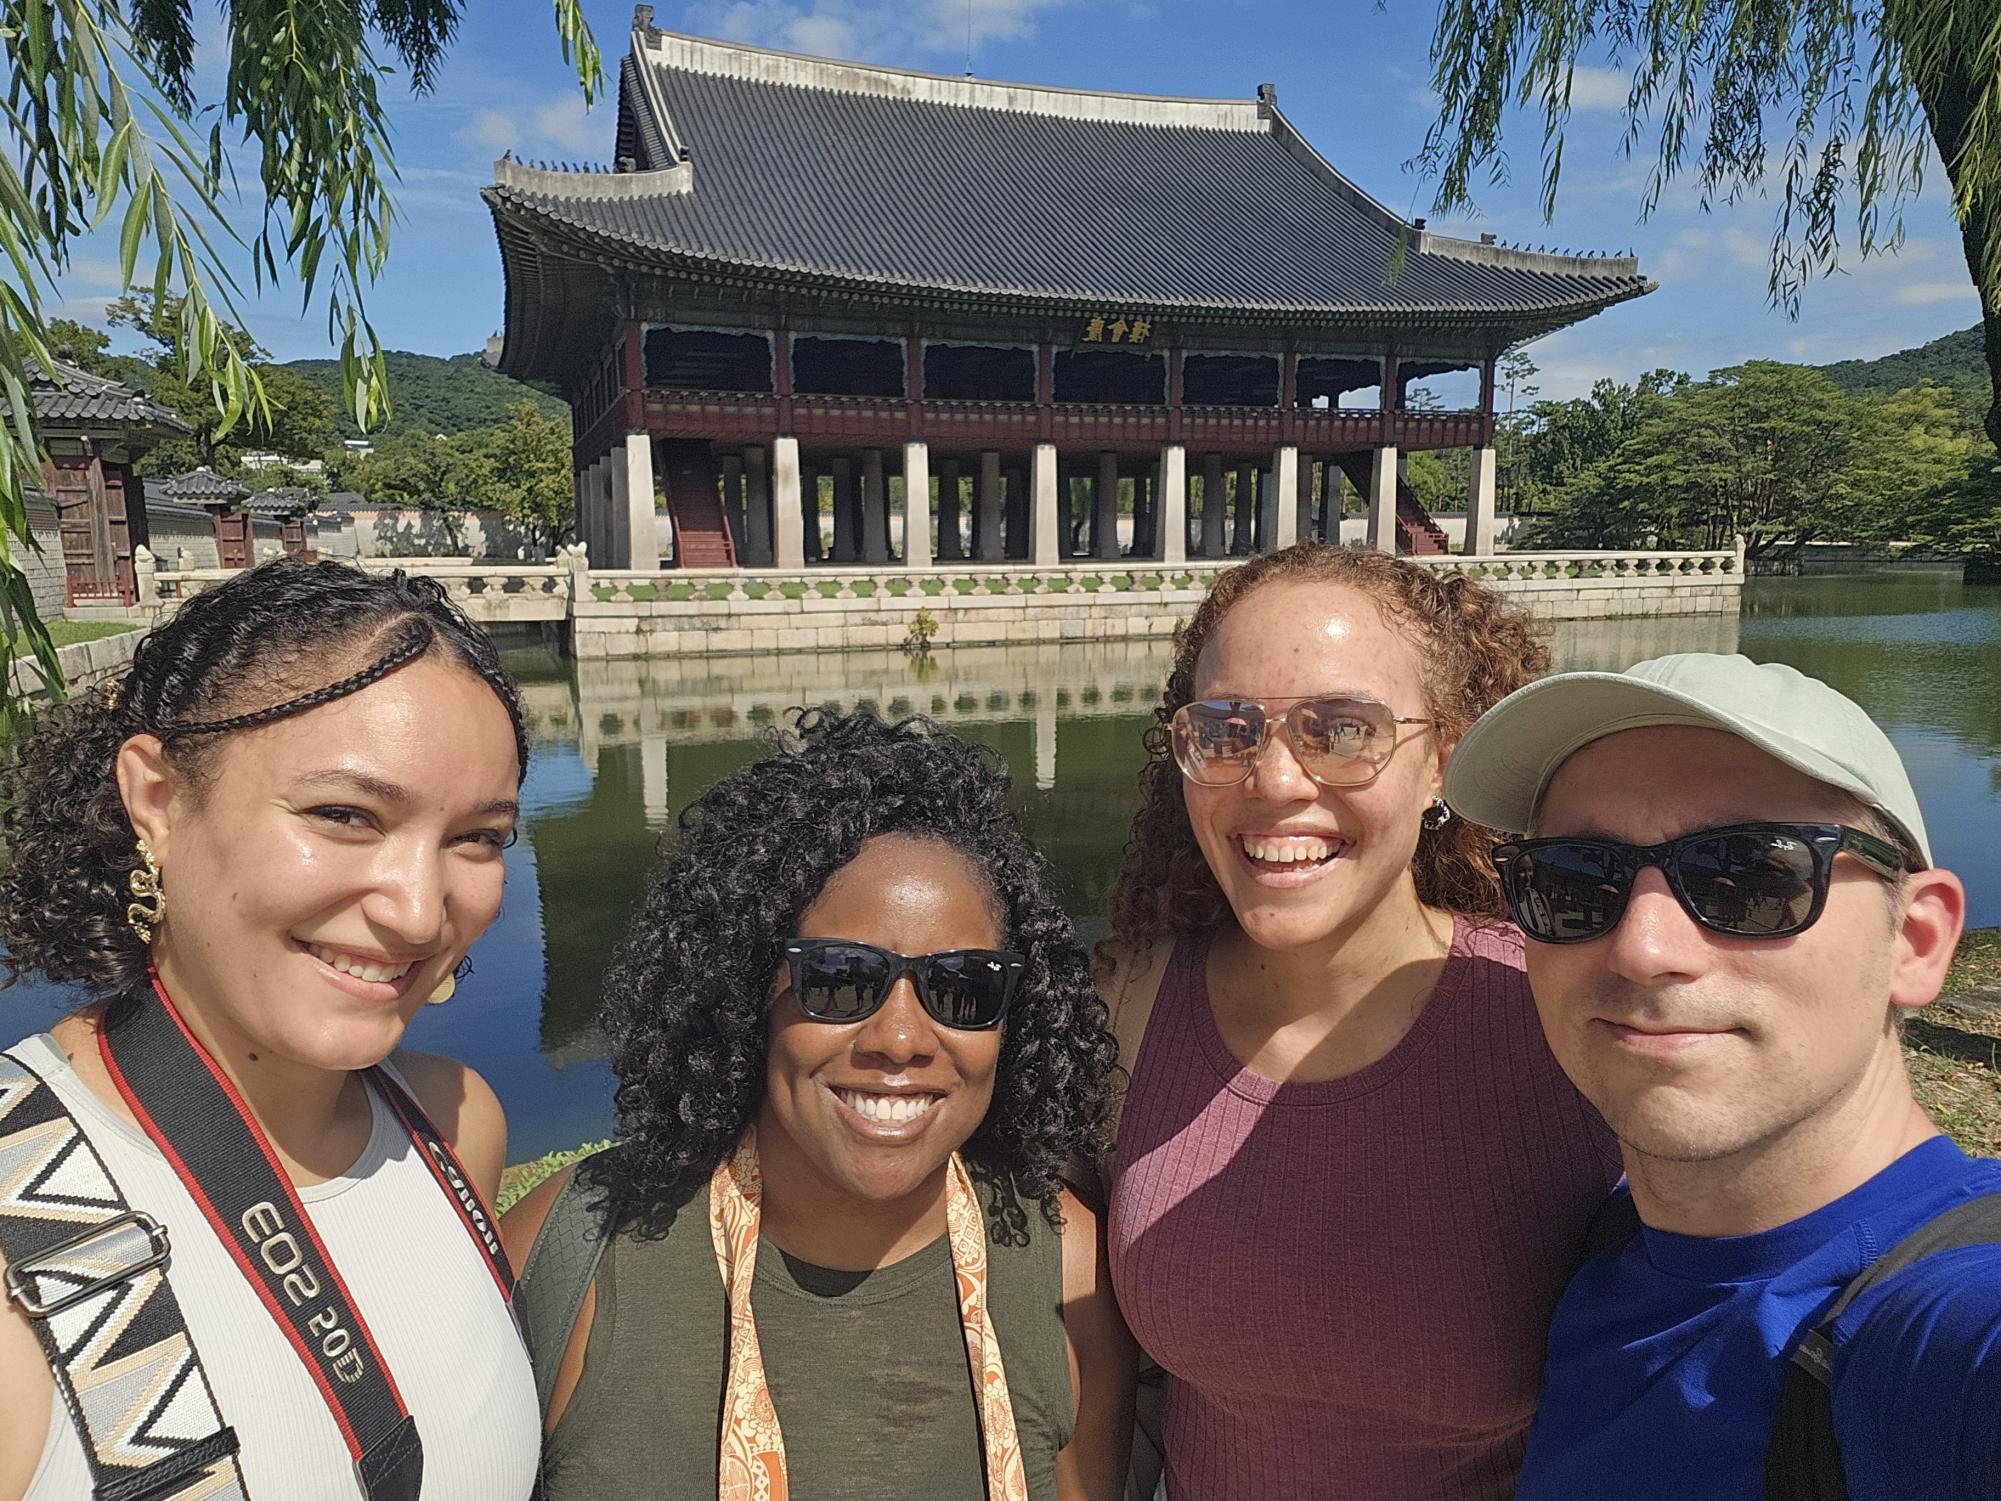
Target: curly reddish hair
point(1477, 649)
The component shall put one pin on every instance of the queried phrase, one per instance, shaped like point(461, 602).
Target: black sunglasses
point(836, 980)
point(1749, 880)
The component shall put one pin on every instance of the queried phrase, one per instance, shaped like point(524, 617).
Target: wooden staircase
point(1416, 531)
point(692, 481)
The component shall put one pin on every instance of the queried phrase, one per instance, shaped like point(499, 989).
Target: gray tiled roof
point(280, 500)
point(879, 180)
point(203, 487)
point(95, 400)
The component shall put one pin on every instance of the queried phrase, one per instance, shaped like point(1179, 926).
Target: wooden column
point(1176, 357)
point(1045, 391)
point(1392, 394)
point(781, 377)
point(1288, 397)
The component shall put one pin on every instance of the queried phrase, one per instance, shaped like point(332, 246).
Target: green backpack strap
point(557, 1276)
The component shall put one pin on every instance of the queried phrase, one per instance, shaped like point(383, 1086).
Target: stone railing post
point(146, 576)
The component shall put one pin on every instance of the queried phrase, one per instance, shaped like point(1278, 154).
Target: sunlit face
point(914, 897)
point(337, 865)
point(1352, 845)
point(1695, 1045)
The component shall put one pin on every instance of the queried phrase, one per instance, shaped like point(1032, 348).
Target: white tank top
point(413, 1272)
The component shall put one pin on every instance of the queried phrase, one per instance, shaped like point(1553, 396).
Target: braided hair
point(230, 659)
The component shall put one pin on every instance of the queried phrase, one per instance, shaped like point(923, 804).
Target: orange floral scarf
point(752, 1461)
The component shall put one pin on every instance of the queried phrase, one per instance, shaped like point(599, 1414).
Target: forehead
point(1293, 638)
point(1653, 783)
point(917, 895)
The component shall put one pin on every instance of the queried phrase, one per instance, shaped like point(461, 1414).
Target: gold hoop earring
point(147, 913)
point(448, 987)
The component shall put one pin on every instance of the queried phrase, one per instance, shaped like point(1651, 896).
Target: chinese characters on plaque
point(1117, 329)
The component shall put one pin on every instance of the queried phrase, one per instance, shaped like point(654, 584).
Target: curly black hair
point(277, 640)
point(687, 999)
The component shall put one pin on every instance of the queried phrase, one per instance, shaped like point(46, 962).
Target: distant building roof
point(281, 500)
point(64, 395)
point(203, 487)
point(747, 163)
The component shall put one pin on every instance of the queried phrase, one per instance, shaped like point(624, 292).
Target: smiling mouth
point(1290, 852)
point(887, 1109)
point(361, 969)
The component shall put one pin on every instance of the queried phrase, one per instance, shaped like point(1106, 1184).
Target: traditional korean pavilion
point(1010, 295)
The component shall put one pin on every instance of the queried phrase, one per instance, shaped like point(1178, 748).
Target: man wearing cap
point(1730, 906)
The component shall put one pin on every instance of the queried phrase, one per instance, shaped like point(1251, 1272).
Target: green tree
point(528, 477)
point(99, 106)
point(1849, 95)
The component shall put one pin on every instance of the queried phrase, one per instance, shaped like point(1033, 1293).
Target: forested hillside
point(1955, 360)
point(434, 396)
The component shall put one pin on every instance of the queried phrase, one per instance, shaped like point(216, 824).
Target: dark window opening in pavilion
point(847, 367)
point(698, 360)
point(1230, 380)
point(1324, 381)
point(977, 372)
point(1107, 375)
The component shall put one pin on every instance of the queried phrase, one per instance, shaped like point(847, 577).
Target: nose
point(1656, 941)
point(1276, 775)
point(408, 899)
point(900, 1032)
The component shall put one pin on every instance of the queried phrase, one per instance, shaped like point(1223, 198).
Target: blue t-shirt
point(1666, 1353)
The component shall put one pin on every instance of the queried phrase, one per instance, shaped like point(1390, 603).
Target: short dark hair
point(687, 1000)
point(230, 658)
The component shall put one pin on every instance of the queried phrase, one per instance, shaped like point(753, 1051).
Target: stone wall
point(389, 532)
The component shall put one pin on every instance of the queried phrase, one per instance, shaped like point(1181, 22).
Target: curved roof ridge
point(696, 54)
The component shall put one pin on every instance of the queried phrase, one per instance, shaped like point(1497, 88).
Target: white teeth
point(1288, 849)
point(347, 964)
point(891, 1110)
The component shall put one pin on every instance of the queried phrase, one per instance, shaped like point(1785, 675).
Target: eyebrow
point(390, 792)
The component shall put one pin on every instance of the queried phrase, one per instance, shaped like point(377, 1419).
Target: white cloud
point(563, 121)
point(494, 129)
point(557, 124)
point(871, 31)
point(1924, 293)
point(1598, 88)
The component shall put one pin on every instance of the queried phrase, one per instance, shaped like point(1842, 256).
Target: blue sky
point(1353, 76)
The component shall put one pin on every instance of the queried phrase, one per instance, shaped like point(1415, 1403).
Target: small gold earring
point(447, 988)
point(144, 883)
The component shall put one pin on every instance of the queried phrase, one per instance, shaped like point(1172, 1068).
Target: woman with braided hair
point(1350, 1178)
point(245, 1238)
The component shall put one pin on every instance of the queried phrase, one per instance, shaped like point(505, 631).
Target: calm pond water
point(622, 747)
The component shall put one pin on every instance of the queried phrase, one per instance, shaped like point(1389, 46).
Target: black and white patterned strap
point(90, 1273)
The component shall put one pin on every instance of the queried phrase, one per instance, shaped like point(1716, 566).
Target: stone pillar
point(1480, 504)
point(145, 576)
point(1105, 508)
point(757, 504)
point(734, 504)
point(949, 543)
point(987, 518)
point(1383, 500)
point(1048, 526)
point(809, 500)
point(1283, 503)
point(875, 509)
point(618, 517)
point(916, 504)
point(1215, 502)
point(1244, 528)
point(1267, 512)
point(1171, 504)
point(1143, 543)
point(1333, 500)
point(1303, 508)
point(641, 530)
point(1016, 542)
point(847, 524)
point(788, 507)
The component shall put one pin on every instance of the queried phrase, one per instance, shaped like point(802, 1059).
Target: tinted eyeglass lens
point(967, 990)
point(1214, 741)
point(837, 983)
point(1565, 892)
point(1753, 883)
point(1340, 739)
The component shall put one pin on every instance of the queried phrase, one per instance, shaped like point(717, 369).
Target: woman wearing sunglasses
point(856, 1043)
point(1350, 1179)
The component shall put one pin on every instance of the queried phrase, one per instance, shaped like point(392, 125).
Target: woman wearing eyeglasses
point(1350, 1180)
point(856, 1042)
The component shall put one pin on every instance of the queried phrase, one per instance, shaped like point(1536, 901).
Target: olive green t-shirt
point(868, 1372)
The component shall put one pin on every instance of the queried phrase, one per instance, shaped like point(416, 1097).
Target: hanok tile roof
point(280, 500)
point(759, 164)
point(203, 487)
point(71, 397)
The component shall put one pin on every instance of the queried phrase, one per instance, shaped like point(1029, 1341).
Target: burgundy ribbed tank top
point(1349, 1282)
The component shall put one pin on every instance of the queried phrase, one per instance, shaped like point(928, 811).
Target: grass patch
point(517, 1180)
point(69, 632)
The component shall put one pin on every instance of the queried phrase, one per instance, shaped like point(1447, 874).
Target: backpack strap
point(557, 1276)
point(1804, 1461)
point(90, 1273)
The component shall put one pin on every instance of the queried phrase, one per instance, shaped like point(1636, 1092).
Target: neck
point(806, 1217)
point(1371, 956)
point(299, 1107)
point(1793, 1172)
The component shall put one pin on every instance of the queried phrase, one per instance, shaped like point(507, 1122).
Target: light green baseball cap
point(1503, 764)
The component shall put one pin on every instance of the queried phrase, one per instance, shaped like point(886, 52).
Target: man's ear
point(150, 789)
point(1934, 912)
